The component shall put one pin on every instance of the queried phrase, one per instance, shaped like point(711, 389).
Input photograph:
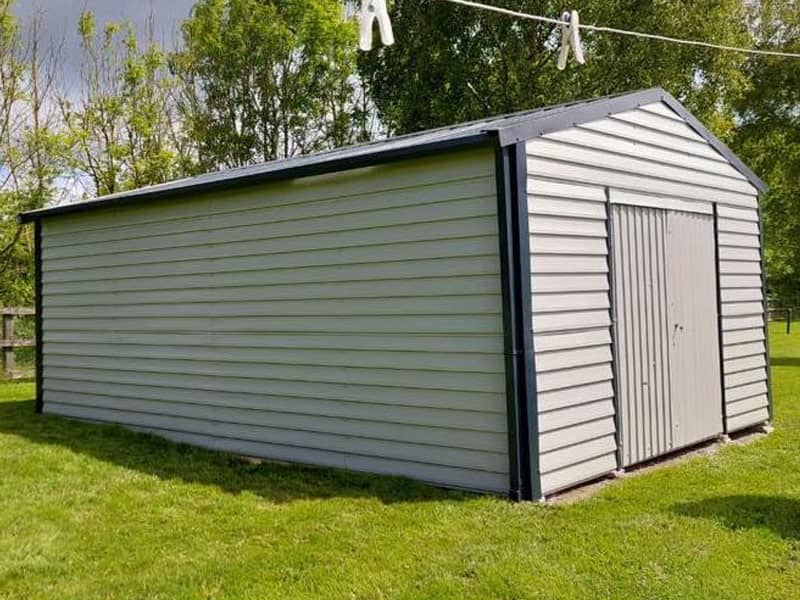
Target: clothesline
point(614, 30)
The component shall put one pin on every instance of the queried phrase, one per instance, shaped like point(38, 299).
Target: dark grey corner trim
point(612, 310)
point(570, 116)
point(506, 236)
point(273, 172)
point(503, 180)
point(39, 338)
point(518, 344)
point(529, 395)
point(720, 337)
point(764, 288)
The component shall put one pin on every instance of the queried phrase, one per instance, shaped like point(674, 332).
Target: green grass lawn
point(98, 512)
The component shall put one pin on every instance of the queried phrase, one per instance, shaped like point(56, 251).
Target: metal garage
point(514, 305)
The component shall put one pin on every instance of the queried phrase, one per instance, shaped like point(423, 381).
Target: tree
point(454, 63)
point(32, 147)
point(269, 79)
point(124, 124)
point(768, 138)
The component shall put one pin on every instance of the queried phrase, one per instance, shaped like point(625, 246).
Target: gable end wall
point(648, 151)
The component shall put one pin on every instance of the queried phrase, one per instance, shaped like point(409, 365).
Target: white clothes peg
point(371, 10)
point(570, 38)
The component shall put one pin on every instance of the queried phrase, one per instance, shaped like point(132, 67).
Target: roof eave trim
point(600, 109)
point(322, 167)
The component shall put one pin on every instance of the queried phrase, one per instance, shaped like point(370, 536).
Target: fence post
point(9, 362)
point(789, 321)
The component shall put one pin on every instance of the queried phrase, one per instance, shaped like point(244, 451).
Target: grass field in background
point(98, 512)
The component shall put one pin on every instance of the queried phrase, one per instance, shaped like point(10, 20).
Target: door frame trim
point(720, 339)
point(520, 367)
point(612, 310)
point(661, 202)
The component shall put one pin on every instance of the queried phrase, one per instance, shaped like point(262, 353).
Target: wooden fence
point(10, 342)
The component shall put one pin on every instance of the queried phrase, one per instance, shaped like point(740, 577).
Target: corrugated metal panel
point(642, 332)
point(666, 330)
point(694, 345)
point(352, 321)
point(742, 297)
point(572, 341)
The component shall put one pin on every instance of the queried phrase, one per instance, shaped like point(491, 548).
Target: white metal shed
point(516, 305)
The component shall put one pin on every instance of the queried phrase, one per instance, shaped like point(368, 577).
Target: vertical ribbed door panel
point(668, 382)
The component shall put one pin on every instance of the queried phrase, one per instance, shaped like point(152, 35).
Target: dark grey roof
point(504, 130)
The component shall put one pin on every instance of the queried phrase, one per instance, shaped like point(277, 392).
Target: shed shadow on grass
point(777, 513)
point(278, 483)
point(785, 361)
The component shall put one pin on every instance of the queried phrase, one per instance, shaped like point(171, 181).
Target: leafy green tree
point(124, 124)
point(12, 72)
point(454, 63)
point(768, 138)
point(32, 148)
point(268, 79)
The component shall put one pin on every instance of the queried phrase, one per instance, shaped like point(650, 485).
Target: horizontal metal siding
point(742, 303)
point(571, 332)
point(641, 151)
point(351, 320)
point(648, 151)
